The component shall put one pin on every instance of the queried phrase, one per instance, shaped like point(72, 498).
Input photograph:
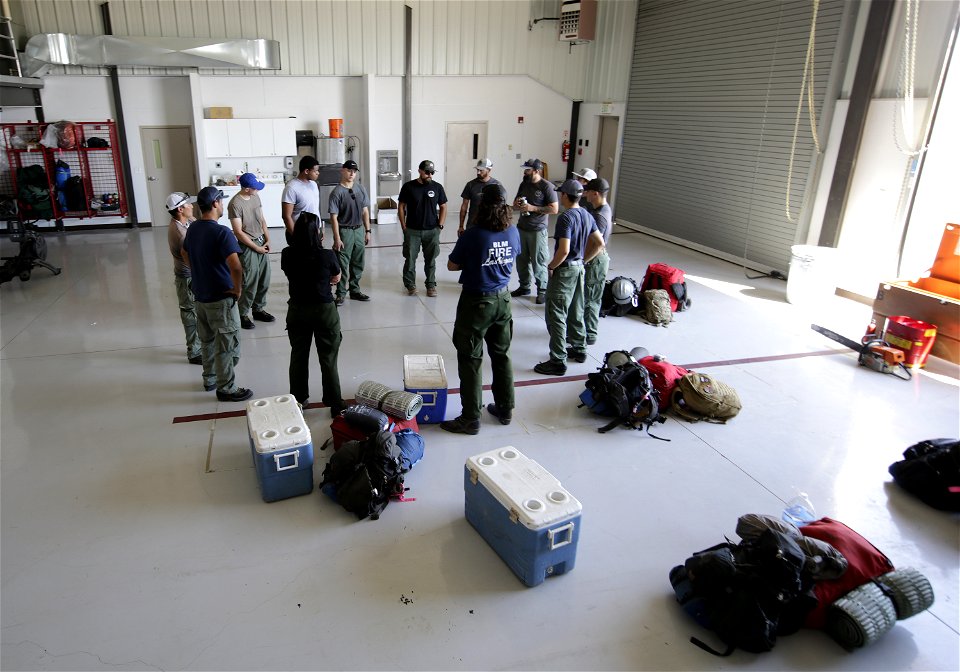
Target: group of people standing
point(488, 248)
point(222, 277)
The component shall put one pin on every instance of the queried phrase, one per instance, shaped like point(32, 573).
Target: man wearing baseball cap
point(250, 226)
point(180, 207)
point(471, 194)
point(212, 253)
point(422, 211)
point(349, 207)
point(595, 270)
point(577, 242)
point(583, 177)
point(536, 200)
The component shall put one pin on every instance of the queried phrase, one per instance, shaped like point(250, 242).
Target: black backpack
point(33, 190)
point(75, 194)
point(626, 393)
point(747, 593)
point(609, 305)
point(364, 475)
point(930, 471)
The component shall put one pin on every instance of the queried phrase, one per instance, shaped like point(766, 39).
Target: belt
point(575, 262)
point(259, 239)
point(496, 292)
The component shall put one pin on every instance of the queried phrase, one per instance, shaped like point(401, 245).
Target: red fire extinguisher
point(565, 150)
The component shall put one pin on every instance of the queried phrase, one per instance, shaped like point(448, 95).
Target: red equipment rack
point(104, 192)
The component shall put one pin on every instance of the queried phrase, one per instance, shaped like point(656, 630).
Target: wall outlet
point(218, 165)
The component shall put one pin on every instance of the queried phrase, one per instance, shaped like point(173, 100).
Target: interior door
point(168, 164)
point(466, 144)
point(607, 150)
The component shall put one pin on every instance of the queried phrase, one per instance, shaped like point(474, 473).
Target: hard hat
point(624, 291)
point(616, 358)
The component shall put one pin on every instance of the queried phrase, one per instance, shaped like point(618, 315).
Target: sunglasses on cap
point(183, 201)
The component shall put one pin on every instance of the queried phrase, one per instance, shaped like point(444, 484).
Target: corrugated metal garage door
point(709, 123)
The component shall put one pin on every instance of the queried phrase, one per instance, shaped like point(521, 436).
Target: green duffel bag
point(699, 396)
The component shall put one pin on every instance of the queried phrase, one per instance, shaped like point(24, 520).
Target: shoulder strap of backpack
point(709, 649)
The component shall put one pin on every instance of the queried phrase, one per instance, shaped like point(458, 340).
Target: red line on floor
point(547, 381)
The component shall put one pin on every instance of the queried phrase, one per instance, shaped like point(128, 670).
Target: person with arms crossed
point(349, 208)
point(250, 227)
point(213, 254)
point(484, 256)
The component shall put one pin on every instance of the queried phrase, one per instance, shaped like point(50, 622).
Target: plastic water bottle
point(799, 510)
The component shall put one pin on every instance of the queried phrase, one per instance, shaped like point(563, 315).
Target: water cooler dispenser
point(388, 173)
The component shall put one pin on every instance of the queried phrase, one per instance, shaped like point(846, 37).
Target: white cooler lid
point(424, 372)
point(522, 485)
point(276, 423)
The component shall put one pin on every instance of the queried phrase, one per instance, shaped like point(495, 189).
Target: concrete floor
point(131, 541)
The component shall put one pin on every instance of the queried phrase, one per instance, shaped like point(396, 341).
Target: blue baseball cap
point(250, 181)
point(208, 196)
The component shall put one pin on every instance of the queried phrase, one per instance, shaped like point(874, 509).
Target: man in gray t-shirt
point(349, 208)
point(180, 207)
point(472, 192)
point(595, 270)
point(536, 200)
point(301, 193)
point(250, 227)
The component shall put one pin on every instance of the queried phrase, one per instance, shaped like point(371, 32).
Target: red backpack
point(661, 276)
point(663, 375)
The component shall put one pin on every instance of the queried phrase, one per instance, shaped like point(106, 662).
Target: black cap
point(427, 166)
point(535, 164)
point(351, 165)
point(598, 184)
point(208, 196)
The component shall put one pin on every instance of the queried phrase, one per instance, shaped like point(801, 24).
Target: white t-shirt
point(303, 195)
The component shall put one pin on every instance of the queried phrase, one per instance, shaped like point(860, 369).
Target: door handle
point(151, 179)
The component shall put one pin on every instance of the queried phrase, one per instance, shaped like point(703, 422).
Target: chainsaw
point(875, 354)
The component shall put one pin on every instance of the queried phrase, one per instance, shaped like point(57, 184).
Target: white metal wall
point(357, 37)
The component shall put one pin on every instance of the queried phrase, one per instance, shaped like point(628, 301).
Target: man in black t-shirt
point(422, 211)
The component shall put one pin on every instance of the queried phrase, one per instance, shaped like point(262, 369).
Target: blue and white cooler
point(281, 446)
point(522, 511)
point(425, 375)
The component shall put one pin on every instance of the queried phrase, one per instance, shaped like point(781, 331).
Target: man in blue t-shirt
point(578, 241)
point(484, 255)
point(422, 211)
point(212, 252)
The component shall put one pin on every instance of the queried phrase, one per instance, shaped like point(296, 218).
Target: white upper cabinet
point(250, 137)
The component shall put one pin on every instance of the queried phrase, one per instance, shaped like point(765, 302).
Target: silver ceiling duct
point(174, 52)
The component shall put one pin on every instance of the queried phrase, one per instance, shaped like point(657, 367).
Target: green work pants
point(564, 311)
point(594, 277)
point(188, 315)
point(479, 319)
point(318, 322)
point(218, 326)
point(256, 280)
point(413, 241)
point(351, 260)
point(533, 251)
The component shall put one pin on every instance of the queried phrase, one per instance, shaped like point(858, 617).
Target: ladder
point(9, 45)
